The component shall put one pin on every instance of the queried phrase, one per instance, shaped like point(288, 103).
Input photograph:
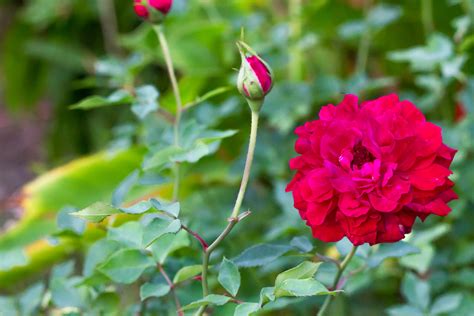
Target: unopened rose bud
point(255, 76)
point(152, 10)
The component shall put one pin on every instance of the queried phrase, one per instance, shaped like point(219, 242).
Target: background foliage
point(105, 92)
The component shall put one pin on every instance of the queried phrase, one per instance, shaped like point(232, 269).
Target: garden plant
point(244, 158)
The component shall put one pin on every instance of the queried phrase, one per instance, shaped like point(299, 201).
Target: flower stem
point(234, 218)
point(296, 59)
point(340, 270)
point(179, 104)
point(364, 44)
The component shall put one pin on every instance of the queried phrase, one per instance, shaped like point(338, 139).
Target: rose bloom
point(368, 171)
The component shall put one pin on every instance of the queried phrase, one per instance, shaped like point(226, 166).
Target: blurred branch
point(295, 65)
point(427, 16)
point(364, 44)
point(108, 22)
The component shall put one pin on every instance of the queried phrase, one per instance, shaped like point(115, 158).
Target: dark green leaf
point(260, 255)
point(126, 265)
point(229, 276)
point(153, 290)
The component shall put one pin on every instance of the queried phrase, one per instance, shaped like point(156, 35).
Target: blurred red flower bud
point(152, 10)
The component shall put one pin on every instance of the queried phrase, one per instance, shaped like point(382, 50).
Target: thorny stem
point(179, 105)
point(234, 218)
point(340, 270)
point(171, 285)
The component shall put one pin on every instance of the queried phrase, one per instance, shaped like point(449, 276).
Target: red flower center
point(361, 155)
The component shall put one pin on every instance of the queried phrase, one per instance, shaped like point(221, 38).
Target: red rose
point(367, 171)
point(142, 7)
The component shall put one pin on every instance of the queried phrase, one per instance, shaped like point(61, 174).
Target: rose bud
point(255, 76)
point(152, 10)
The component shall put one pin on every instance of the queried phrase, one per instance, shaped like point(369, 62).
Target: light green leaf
point(31, 299)
point(212, 299)
point(404, 310)
point(12, 258)
point(126, 265)
point(246, 309)
point(157, 228)
point(66, 222)
point(302, 243)
point(304, 270)
point(260, 255)
point(421, 261)
point(416, 291)
point(229, 277)
point(138, 208)
point(266, 295)
point(153, 290)
point(394, 250)
point(302, 287)
point(446, 304)
point(171, 208)
point(146, 101)
point(116, 98)
point(169, 243)
point(162, 157)
point(129, 234)
point(97, 212)
point(187, 273)
point(97, 254)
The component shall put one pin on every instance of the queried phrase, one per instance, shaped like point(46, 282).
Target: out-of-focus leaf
point(395, 250)
point(30, 299)
point(167, 244)
point(107, 303)
point(416, 291)
point(12, 258)
point(146, 101)
point(212, 299)
point(187, 273)
point(97, 212)
point(129, 234)
point(116, 98)
point(126, 265)
point(153, 290)
point(172, 209)
point(446, 304)
point(260, 255)
point(246, 309)
point(98, 253)
point(425, 58)
point(302, 243)
point(404, 310)
point(157, 228)
point(70, 223)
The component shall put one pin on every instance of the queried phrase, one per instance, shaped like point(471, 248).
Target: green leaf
point(172, 209)
point(138, 208)
point(394, 250)
point(153, 290)
point(169, 243)
point(129, 234)
point(302, 287)
point(12, 258)
point(116, 98)
point(97, 254)
point(302, 243)
point(146, 101)
point(107, 303)
point(212, 299)
point(304, 270)
point(157, 228)
point(97, 212)
point(187, 273)
point(425, 58)
point(124, 188)
point(162, 157)
point(229, 277)
point(246, 309)
point(66, 222)
point(404, 310)
point(8, 306)
point(421, 261)
point(416, 291)
point(445, 304)
point(266, 295)
point(126, 265)
point(64, 293)
point(260, 255)
point(30, 299)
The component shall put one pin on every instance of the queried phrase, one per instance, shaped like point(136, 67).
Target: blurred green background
point(58, 53)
